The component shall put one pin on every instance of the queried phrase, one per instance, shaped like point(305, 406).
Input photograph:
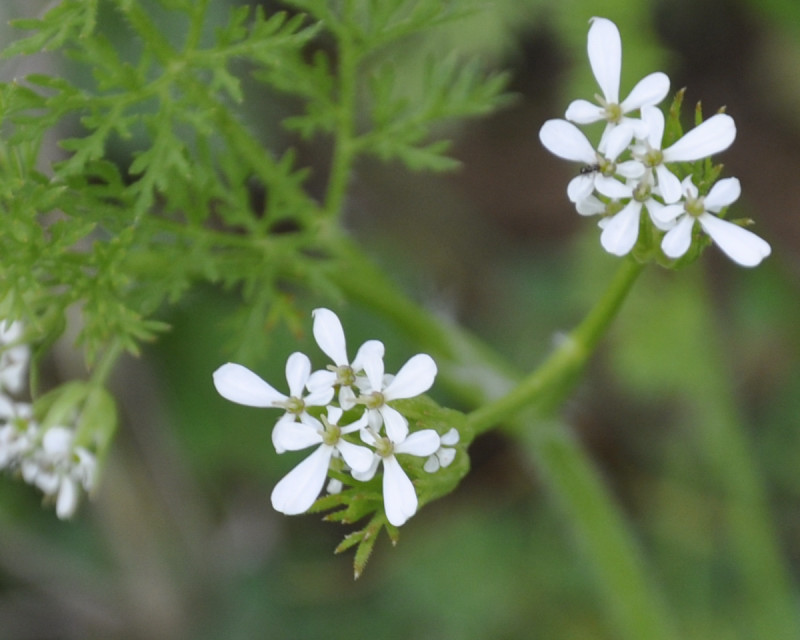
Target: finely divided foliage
point(164, 176)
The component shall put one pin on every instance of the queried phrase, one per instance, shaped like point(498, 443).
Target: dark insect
point(589, 168)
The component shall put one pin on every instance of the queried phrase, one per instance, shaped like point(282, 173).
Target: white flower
point(17, 432)
point(399, 498)
point(739, 244)
point(445, 454)
point(13, 357)
point(329, 335)
point(621, 230)
point(565, 140)
point(238, 384)
point(415, 377)
point(59, 469)
point(298, 489)
point(709, 137)
point(605, 57)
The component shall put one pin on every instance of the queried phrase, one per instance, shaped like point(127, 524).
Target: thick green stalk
point(480, 378)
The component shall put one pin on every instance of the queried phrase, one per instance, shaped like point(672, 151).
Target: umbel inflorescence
point(631, 168)
point(344, 411)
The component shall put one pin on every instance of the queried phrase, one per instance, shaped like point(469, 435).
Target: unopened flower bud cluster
point(629, 170)
point(313, 414)
point(45, 458)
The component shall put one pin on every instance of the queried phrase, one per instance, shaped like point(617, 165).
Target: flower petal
point(67, 500)
point(369, 350)
point(240, 385)
point(399, 499)
point(584, 112)
point(446, 457)
point(712, 136)
point(668, 184)
point(590, 206)
point(565, 140)
point(621, 231)
point(394, 423)
point(654, 125)
point(723, 193)
point(415, 377)
point(580, 187)
point(740, 245)
point(358, 458)
point(451, 437)
point(321, 380)
point(677, 240)
point(617, 141)
point(319, 397)
point(649, 91)
point(371, 354)
point(329, 335)
point(364, 476)
point(297, 490)
point(605, 56)
point(420, 443)
point(612, 188)
point(298, 369)
point(288, 435)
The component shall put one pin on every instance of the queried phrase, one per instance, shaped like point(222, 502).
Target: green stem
point(479, 377)
point(344, 148)
point(548, 385)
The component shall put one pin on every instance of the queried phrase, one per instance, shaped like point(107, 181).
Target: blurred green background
point(700, 369)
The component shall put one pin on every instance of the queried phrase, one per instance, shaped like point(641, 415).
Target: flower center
point(695, 207)
point(332, 432)
point(607, 167)
point(345, 376)
point(292, 405)
point(652, 158)
point(642, 191)
point(384, 447)
point(374, 400)
point(611, 111)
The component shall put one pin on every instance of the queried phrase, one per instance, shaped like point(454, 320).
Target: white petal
point(612, 188)
point(591, 206)
point(677, 240)
point(739, 244)
point(372, 362)
point(329, 335)
point(580, 187)
point(298, 369)
point(57, 442)
point(605, 57)
point(364, 476)
point(446, 457)
point(371, 349)
point(358, 458)
point(334, 415)
point(359, 424)
point(289, 435)
point(399, 499)
point(617, 141)
point(67, 500)
point(668, 184)
point(321, 380)
point(712, 136)
point(631, 169)
point(654, 123)
point(420, 443)
point(298, 489)
point(451, 437)
point(649, 91)
point(565, 140)
point(431, 465)
point(723, 193)
point(240, 385)
point(415, 377)
point(347, 398)
point(319, 397)
point(394, 423)
point(584, 112)
point(663, 216)
point(621, 231)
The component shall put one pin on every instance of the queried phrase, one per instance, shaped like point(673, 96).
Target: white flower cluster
point(47, 459)
point(364, 391)
point(630, 170)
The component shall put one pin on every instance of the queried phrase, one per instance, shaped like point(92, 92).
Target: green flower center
point(695, 207)
point(374, 400)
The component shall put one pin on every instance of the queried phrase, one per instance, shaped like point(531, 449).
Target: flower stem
point(548, 385)
point(478, 376)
